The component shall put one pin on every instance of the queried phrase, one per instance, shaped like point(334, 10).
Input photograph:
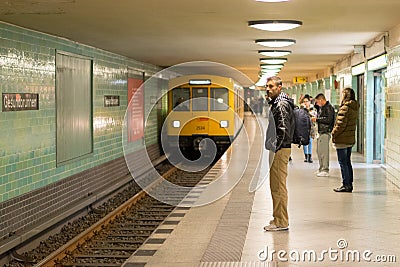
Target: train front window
point(180, 98)
point(219, 99)
point(199, 99)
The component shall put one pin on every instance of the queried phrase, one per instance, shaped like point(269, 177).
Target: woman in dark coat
point(344, 137)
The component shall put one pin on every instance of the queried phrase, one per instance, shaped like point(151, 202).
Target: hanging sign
point(299, 79)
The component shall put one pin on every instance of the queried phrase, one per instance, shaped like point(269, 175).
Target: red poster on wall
point(135, 110)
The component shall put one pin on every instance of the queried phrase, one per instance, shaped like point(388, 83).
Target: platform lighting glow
point(271, 67)
point(262, 81)
point(272, 1)
point(377, 63)
point(268, 73)
point(274, 53)
point(271, 71)
point(273, 60)
point(199, 82)
point(275, 42)
point(275, 25)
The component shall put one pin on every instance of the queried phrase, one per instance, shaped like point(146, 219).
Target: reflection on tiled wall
point(28, 138)
point(392, 142)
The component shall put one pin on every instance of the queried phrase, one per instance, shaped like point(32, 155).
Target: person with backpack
point(278, 140)
point(325, 120)
point(307, 149)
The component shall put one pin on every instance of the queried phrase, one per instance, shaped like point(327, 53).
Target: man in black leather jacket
point(325, 120)
point(278, 141)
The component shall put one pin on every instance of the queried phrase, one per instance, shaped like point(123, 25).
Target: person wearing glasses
point(325, 120)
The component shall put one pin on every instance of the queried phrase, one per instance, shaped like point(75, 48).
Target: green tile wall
point(392, 142)
point(27, 138)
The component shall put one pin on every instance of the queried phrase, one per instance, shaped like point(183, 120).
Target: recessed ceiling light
point(273, 60)
point(275, 42)
point(275, 25)
point(274, 53)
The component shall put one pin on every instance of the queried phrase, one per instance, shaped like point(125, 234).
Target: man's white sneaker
point(272, 227)
point(323, 174)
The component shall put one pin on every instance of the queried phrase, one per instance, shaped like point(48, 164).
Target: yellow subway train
point(204, 106)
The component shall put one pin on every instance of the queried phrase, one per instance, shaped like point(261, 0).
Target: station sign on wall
point(111, 100)
point(19, 101)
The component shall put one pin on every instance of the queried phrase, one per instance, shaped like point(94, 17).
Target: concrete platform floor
point(326, 228)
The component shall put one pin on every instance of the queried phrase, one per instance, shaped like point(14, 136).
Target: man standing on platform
point(325, 120)
point(278, 140)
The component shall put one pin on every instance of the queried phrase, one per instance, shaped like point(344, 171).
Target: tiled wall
point(392, 142)
point(27, 138)
point(31, 184)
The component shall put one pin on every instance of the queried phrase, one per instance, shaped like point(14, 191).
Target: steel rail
point(55, 258)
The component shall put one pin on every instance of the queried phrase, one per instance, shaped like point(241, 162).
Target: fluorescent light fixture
point(272, 1)
point(273, 60)
point(199, 82)
point(275, 25)
point(274, 53)
point(275, 42)
point(224, 124)
point(358, 69)
point(271, 66)
point(271, 72)
point(267, 71)
point(377, 63)
point(268, 74)
point(176, 124)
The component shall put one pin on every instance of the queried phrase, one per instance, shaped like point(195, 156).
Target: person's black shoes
point(343, 188)
point(308, 158)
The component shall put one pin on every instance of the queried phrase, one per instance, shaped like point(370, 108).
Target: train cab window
point(200, 99)
point(180, 97)
point(219, 99)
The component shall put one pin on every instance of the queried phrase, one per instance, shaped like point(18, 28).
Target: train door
point(360, 123)
point(201, 115)
point(379, 119)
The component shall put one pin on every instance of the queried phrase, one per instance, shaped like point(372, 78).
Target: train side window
point(200, 99)
point(219, 99)
point(180, 98)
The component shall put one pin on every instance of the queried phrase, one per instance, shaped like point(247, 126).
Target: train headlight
point(224, 124)
point(176, 124)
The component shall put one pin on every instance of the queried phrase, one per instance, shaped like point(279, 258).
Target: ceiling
point(166, 33)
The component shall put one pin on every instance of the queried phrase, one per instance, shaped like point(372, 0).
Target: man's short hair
point(276, 79)
point(320, 95)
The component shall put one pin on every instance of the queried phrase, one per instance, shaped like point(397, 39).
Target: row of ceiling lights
point(272, 65)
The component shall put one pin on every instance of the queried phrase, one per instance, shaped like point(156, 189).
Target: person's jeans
point(308, 148)
point(344, 155)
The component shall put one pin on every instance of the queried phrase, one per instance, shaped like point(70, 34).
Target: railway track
point(115, 237)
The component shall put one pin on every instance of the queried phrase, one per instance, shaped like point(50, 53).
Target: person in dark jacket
point(344, 137)
point(278, 140)
point(325, 120)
